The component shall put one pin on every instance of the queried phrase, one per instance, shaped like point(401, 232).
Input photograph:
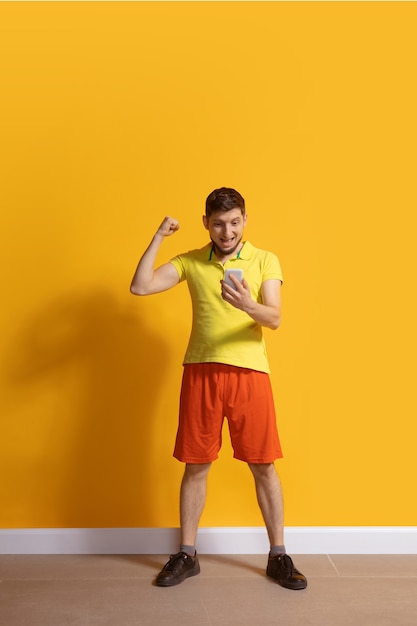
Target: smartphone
point(236, 273)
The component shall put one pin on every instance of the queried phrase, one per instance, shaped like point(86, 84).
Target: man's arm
point(147, 279)
point(266, 314)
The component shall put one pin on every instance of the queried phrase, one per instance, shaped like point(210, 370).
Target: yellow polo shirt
point(221, 333)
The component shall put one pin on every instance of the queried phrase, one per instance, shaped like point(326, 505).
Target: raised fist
point(168, 227)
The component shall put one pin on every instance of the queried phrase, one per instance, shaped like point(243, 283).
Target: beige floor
point(230, 591)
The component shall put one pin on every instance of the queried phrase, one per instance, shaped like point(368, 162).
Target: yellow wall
point(115, 114)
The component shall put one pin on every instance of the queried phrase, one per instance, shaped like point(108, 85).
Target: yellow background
point(116, 114)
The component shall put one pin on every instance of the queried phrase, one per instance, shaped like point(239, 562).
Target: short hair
point(224, 199)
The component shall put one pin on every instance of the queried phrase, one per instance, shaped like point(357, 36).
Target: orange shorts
point(212, 391)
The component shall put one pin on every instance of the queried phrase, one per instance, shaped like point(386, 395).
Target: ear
point(205, 222)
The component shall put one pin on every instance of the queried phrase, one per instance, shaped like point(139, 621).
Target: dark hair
point(224, 199)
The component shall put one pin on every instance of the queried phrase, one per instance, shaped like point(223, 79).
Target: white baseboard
point(241, 540)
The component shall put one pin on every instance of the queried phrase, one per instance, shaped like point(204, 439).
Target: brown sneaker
point(179, 567)
point(282, 570)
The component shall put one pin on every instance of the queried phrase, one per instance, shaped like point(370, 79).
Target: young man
point(226, 373)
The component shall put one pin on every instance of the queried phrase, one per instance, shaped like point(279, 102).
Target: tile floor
point(344, 590)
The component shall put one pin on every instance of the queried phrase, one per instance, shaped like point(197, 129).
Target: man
point(226, 373)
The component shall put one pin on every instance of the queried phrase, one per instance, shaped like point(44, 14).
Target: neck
point(226, 257)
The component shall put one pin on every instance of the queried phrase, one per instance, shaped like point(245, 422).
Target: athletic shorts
point(212, 391)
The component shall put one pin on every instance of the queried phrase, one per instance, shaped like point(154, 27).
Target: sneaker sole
point(298, 587)
point(172, 583)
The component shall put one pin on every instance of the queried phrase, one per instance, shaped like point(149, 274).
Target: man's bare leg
point(280, 566)
point(192, 500)
point(269, 494)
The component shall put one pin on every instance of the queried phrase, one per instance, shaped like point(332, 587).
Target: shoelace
point(288, 564)
point(175, 561)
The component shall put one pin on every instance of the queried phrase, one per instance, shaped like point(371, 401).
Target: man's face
point(225, 229)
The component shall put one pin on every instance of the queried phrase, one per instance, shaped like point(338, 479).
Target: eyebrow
point(219, 221)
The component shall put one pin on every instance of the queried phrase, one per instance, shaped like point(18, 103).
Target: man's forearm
point(268, 316)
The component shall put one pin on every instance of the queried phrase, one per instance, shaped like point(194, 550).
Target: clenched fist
point(168, 227)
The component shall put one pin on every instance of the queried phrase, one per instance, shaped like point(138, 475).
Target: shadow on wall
point(85, 379)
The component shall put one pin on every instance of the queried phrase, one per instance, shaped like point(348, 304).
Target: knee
point(262, 470)
point(194, 470)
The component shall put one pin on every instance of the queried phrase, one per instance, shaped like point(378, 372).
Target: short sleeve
point(178, 263)
point(272, 268)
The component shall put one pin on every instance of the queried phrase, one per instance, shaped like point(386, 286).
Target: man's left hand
point(240, 297)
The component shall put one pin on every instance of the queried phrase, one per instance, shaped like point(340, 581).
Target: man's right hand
point(168, 227)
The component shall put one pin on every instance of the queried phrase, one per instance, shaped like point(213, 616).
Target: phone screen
point(237, 273)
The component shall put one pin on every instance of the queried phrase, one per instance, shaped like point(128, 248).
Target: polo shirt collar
point(246, 252)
